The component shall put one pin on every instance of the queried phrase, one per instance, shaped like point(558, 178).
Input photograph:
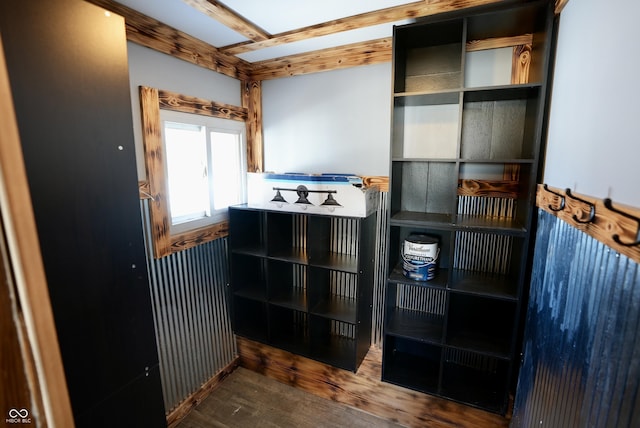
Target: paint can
point(420, 257)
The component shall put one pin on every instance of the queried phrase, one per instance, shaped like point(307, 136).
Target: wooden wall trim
point(594, 217)
point(29, 279)
point(252, 101)
point(154, 165)
point(153, 34)
point(363, 390)
point(356, 54)
point(176, 415)
point(175, 101)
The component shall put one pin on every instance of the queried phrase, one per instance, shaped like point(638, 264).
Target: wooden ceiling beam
point(356, 54)
point(153, 34)
point(229, 18)
point(392, 14)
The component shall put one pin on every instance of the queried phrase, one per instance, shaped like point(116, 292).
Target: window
point(196, 162)
point(205, 168)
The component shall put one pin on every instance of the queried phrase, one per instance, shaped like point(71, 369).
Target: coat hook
point(558, 195)
point(592, 208)
point(616, 237)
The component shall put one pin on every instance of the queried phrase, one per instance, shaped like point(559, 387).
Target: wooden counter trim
point(605, 223)
point(363, 390)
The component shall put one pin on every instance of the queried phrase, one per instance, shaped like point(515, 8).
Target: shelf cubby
point(423, 187)
point(429, 58)
point(480, 324)
point(250, 318)
point(289, 329)
point(288, 284)
point(499, 123)
point(250, 273)
point(475, 379)
point(412, 364)
point(334, 342)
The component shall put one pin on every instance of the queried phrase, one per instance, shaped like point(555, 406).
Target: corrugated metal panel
point(581, 365)
point(380, 271)
point(193, 329)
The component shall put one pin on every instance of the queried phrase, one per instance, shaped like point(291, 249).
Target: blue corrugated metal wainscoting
point(581, 364)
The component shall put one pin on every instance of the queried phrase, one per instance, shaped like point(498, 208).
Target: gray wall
point(150, 68)
point(593, 145)
point(336, 121)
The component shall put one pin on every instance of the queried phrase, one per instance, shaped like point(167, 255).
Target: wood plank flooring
point(247, 399)
point(364, 390)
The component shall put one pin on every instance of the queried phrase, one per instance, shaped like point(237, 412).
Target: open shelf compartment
point(481, 325)
point(475, 379)
point(288, 285)
point(250, 319)
point(334, 342)
point(412, 364)
point(249, 276)
point(289, 329)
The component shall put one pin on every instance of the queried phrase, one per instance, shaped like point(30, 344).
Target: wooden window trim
point(152, 100)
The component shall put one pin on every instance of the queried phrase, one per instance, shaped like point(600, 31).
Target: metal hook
point(592, 208)
point(616, 237)
point(558, 195)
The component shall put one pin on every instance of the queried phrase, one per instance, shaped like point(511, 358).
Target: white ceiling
point(273, 16)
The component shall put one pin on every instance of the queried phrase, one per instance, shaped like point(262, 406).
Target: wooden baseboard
point(183, 409)
point(363, 390)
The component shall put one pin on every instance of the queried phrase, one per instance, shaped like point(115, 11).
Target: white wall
point(336, 121)
point(593, 145)
point(151, 68)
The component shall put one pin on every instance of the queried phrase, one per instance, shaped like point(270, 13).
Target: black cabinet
point(303, 282)
point(67, 65)
point(468, 108)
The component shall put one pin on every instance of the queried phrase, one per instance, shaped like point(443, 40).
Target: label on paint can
point(420, 257)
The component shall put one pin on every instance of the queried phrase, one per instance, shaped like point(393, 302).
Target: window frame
point(209, 125)
point(152, 100)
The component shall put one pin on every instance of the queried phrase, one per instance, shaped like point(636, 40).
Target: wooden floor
point(248, 399)
point(274, 388)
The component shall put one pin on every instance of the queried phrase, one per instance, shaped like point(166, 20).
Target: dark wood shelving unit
point(303, 282)
point(465, 154)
